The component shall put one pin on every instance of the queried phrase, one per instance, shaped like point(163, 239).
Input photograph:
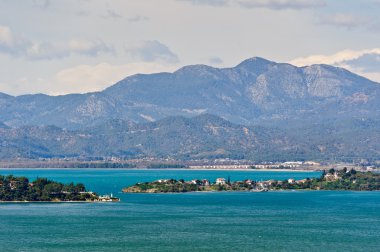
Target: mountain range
point(254, 92)
point(258, 109)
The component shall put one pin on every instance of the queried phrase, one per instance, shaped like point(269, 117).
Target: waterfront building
point(220, 181)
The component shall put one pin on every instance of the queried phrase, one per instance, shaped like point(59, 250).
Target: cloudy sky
point(66, 46)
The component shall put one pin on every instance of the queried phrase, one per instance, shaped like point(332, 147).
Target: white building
point(331, 177)
point(220, 181)
point(194, 182)
point(162, 180)
point(291, 181)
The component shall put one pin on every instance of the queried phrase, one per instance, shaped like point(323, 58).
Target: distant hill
point(204, 136)
point(259, 110)
point(255, 92)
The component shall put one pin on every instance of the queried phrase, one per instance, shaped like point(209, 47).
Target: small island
point(20, 189)
point(330, 180)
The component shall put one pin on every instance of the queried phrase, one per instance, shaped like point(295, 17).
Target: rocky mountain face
point(256, 91)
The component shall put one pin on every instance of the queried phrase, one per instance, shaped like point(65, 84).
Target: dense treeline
point(21, 189)
point(337, 180)
point(171, 185)
point(181, 186)
point(162, 166)
point(104, 165)
point(52, 164)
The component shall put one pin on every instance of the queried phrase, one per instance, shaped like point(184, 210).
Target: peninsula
point(331, 180)
point(20, 189)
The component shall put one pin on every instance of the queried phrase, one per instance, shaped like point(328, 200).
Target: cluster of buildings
point(331, 176)
point(249, 182)
point(268, 165)
point(200, 182)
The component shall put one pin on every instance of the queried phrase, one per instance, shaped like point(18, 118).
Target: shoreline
point(344, 180)
point(169, 169)
point(259, 170)
point(253, 192)
point(19, 201)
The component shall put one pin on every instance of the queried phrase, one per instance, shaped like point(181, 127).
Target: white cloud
point(281, 4)
point(335, 58)
point(6, 37)
point(48, 51)
point(16, 46)
point(345, 20)
point(86, 78)
point(42, 4)
point(372, 76)
point(112, 14)
point(137, 18)
point(7, 88)
point(363, 62)
point(269, 4)
point(368, 62)
point(152, 51)
point(215, 61)
point(11, 44)
point(209, 2)
point(81, 78)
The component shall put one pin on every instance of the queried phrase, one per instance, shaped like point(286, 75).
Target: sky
point(76, 46)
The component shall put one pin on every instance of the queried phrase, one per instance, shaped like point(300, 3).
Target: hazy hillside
point(256, 91)
point(204, 136)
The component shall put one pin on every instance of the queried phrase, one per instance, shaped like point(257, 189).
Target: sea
point(212, 221)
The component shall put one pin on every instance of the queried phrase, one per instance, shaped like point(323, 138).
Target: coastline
point(168, 169)
point(344, 180)
point(250, 170)
point(254, 192)
point(19, 201)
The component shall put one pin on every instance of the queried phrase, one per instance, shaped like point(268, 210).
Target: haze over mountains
point(316, 111)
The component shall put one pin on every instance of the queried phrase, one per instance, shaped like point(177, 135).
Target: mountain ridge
point(255, 91)
point(202, 137)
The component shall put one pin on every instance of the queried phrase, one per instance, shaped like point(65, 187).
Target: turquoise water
point(272, 221)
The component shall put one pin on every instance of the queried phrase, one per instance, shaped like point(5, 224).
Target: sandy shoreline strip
point(167, 169)
point(253, 170)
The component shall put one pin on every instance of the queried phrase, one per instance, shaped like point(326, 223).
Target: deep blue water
point(272, 221)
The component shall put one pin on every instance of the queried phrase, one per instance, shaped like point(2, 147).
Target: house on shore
point(291, 181)
point(220, 181)
point(301, 181)
point(331, 176)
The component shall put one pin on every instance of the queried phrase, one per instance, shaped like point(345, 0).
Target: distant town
point(168, 163)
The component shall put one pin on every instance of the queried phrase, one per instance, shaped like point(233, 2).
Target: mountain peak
point(256, 60)
point(195, 69)
point(255, 64)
